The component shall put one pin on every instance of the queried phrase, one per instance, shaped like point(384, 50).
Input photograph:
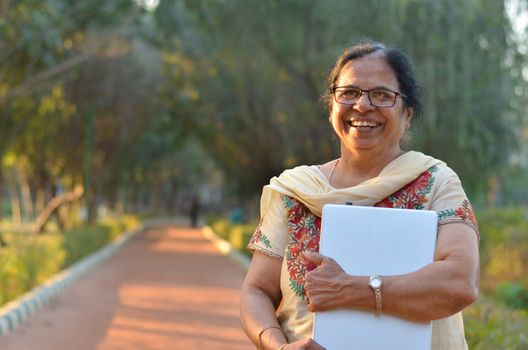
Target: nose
point(363, 104)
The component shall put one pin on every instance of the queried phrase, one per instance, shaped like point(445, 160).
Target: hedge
point(28, 260)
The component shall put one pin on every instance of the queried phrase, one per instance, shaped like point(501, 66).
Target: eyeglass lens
point(377, 97)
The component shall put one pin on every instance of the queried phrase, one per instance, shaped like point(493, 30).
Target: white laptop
point(375, 241)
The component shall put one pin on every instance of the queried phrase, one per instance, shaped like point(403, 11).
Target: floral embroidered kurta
point(288, 228)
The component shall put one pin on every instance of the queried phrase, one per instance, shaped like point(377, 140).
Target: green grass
point(490, 326)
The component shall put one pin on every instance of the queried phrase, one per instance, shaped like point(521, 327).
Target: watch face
point(375, 283)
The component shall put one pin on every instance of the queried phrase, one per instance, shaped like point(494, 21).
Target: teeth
point(358, 123)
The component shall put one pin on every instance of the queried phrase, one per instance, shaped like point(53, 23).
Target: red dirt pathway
point(168, 288)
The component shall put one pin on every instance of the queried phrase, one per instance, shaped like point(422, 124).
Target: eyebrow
point(378, 87)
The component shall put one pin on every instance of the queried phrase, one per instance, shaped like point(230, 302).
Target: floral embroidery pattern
point(414, 194)
point(304, 227)
point(464, 212)
point(304, 230)
point(258, 236)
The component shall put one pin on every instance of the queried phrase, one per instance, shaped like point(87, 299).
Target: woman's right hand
point(304, 344)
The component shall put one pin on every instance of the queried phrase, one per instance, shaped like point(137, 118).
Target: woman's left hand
point(324, 284)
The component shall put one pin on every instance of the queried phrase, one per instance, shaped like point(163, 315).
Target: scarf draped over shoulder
point(310, 186)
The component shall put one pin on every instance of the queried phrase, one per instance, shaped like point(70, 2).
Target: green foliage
point(120, 224)
point(513, 295)
point(220, 227)
point(80, 242)
point(27, 261)
point(503, 247)
point(57, 58)
point(259, 78)
point(499, 319)
point(238, 235)
point(239, 82)
point(490, 327)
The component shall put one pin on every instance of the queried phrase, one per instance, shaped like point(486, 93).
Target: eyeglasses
point(384, 98)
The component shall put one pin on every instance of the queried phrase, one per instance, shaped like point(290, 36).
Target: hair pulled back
point(395, 58)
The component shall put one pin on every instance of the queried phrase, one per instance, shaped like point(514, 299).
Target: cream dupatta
point(310, 186)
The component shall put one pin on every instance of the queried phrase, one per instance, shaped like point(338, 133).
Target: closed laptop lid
point(375, 241)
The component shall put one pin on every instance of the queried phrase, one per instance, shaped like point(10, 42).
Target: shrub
point(512, 295)
point(503, 247)
point(221, 228)
point(80, 242)
point(490, 327)
point(118, 225)
point(28, 261)
point(239, 236)
point(236, 234)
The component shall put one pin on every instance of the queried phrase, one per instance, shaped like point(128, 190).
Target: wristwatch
point(375, 284)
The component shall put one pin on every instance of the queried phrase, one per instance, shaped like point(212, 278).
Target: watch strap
point(379, 306)
point(376, 287)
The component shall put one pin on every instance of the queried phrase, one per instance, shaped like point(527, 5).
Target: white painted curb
point(16, 312)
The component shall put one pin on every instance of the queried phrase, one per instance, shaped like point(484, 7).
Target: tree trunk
point(40, 192)
point(4, 7)
point(25, 191)
point(52, 206)
point(1, 194)
point(16, 216)
point(2, 241)
point(56, 213)
point(15, 210)
point(91, 206)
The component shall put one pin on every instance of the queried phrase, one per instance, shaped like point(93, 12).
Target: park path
point(168, 288)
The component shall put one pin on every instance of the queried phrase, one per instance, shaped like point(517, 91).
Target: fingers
point(314, 303)
point(313, 257)
point(310, 308)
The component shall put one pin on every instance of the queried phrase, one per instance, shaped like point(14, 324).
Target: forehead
point(368, 72)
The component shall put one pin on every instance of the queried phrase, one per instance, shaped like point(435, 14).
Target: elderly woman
point(372, 97)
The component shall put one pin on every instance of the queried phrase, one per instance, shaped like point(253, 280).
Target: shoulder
point(448, 195)
point(445, 176)
point(445, 171)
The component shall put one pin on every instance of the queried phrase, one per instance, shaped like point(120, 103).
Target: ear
point(409, 112)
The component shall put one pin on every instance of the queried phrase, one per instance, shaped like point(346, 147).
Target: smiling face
point(363, 127)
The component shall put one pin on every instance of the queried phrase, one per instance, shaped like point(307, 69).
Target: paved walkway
point(168, 288)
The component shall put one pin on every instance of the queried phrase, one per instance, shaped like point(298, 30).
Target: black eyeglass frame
point(367, 91)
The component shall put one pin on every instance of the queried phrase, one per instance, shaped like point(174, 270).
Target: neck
point(358, 166)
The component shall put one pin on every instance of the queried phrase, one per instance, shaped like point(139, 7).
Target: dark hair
point(396, 59)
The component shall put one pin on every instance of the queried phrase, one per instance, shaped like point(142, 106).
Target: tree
point(249, 74)
point(43, 45)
